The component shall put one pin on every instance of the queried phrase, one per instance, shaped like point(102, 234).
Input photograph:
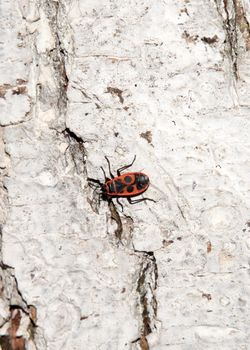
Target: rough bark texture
point(168, 81)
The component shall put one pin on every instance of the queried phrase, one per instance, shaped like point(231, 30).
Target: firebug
point(126, 185)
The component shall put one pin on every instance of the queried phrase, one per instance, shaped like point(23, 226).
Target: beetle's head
point(142, 181)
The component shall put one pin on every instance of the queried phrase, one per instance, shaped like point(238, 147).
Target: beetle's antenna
point(105, 177)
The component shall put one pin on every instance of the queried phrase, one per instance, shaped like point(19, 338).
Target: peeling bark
point(18, 326)
point(235, 23)
point(242, 23)
point(15, 341)
point(19, 89)
point(16, 323)
point(58, 55)
point(146, 289)
point(227, 12)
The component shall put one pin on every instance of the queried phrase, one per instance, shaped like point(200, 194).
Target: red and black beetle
point(125, 185)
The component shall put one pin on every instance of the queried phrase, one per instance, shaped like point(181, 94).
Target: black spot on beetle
point(127, 179)
point(141, 181)
point(119, 186)
point(130, 189)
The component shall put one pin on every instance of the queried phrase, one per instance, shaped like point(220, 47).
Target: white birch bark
point(168, 81)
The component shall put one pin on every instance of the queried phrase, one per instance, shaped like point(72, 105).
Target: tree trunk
point(169, 82)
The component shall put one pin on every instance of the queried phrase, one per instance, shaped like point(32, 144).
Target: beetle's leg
point(118, 202)
point(109, 200)
point(139, 200)
point(94, 186)
point(111, 175)
point(94, 180)
point(125, 167)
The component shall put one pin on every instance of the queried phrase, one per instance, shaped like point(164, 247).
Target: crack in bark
point(116, 217)
point(73, 136)
point(146, 288)
point(20, 312)
point(146, 285)
point(242, 23)
point(229, 24)
point(13, 340)
point(234, 21)
point(77, 150)
point(18, 307)
point(125, 225)
point(58, 54)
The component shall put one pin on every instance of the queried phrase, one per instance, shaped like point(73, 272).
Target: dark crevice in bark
point(29, 310)
point(232, 36)
point(234, 22)
point(73, 136)
point(13, 338)
point(146, 289)
point(229, 24)
point(58, 55)
point(63, 81)
point(242, 23)
point(116, 217)
point(125, 225)
point(146, 284)
point(18, 309)
point(77, 151)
